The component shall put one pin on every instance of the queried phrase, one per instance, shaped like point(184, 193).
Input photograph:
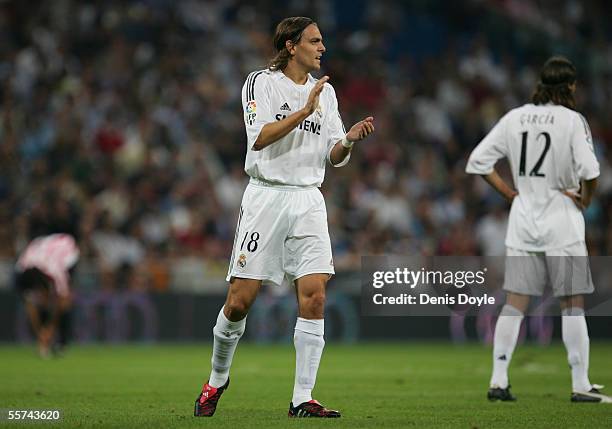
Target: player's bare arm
point(275, 131)
point(584, 198)
point(358, 132)
point(500, 185)
point(588, 190)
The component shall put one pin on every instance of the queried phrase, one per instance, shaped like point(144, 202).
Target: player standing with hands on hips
point(293, 128)
point(550, 150)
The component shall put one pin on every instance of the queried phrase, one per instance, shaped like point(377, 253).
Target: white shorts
point(567, 270)
point(282, 232)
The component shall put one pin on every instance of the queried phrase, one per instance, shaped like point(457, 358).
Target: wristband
point(347, 144)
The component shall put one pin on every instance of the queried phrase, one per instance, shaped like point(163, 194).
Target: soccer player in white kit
point(293, 129)
point(550, 150)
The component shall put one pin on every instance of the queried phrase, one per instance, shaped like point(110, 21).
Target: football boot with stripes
point(311, 408)
point(593, 395)
point(206, 403)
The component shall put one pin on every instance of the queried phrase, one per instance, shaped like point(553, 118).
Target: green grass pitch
point(402, 385)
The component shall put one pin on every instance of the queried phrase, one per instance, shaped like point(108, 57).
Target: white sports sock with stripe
point(576, 339)
point(309, 343)
point(504, 341)
point(227, 334)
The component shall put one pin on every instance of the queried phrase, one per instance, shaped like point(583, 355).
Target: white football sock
point(309, 343)
point(504, 341)
point(227, 334)
point(576, 339)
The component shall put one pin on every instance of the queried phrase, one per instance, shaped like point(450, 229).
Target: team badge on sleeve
point(250, 112)
point(242, 260)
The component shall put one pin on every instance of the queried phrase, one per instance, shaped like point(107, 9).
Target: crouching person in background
point(43, 282)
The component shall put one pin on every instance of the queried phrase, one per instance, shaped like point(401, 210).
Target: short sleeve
point(583, 152)
point(256, 105)
point(492, 148)
point(335, 128)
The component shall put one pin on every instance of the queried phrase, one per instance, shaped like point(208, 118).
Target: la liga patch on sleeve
point(250, 112)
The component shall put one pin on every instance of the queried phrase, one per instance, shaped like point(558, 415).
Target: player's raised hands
point(313, 98)
point(361, 129)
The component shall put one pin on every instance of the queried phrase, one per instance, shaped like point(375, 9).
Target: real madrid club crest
point(319, 111)
point(241, 260)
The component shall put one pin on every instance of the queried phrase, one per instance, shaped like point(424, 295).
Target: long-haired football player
point(554, 169)
point(293, 129)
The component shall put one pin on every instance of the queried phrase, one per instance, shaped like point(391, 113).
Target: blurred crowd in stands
point(121, 122)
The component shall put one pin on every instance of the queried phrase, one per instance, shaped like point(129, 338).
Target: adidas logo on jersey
point(285, 107)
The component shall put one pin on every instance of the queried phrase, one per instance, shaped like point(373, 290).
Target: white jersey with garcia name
point(550, 149)
point(299, 158)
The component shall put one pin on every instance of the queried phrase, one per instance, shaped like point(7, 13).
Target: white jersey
point(550, 149)
point(299, 158)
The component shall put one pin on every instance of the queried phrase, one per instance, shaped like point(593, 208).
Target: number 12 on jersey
point(535, 171)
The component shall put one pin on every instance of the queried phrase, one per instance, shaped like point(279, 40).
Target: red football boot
point(311, 408)
point(206, 403)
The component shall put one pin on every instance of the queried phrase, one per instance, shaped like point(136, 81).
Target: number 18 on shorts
point(282, 232)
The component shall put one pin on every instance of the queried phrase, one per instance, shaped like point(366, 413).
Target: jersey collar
point(280, 75)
